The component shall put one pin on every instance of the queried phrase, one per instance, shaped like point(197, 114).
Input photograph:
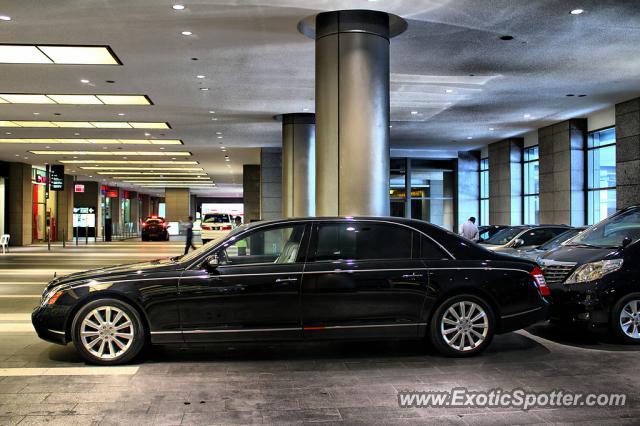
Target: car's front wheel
point(108, 332)
point(625, 321)
point(462, 326)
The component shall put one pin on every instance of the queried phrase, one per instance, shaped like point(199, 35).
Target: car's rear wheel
point(462, 326)
point(108, 332)
point(625, 321)
point(144, 238)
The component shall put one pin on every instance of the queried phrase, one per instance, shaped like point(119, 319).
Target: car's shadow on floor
point(511, 345)
point(581, 338)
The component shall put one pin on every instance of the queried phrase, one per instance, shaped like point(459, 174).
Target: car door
point(253, 293)
point(361, 279)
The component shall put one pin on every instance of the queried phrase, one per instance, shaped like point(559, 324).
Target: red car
point(155, 227)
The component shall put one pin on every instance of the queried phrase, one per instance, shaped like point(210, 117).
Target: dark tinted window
point(154, 221)
point(538, 236)
point(216, 218)
point(352, 240)
point(429, 249)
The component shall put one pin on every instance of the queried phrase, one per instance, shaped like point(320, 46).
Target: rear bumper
point(213, 235)
point(580, 307)
point(525, 319)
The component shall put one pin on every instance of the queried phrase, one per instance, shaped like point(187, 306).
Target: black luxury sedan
point(595, 277)
point(155, 228)
point(300, 279)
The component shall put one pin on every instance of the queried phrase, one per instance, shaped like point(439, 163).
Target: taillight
point(205, 227)
point(226, 228)
point(538, 278)
point(144, 224)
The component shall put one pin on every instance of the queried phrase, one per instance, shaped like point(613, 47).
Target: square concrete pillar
point(177, 204)
point(561, 152)
point(19, 205)
point(251, 192)
point(145, 201)
point(64, 209)
point(270, 183)
point(468, 186)
point(505, 182)
point(628, 153)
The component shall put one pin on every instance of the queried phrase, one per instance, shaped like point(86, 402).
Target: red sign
point(112, 193)
point(78, 188)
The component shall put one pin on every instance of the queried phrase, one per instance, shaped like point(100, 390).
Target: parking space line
point(16, 327)
point(70, 371)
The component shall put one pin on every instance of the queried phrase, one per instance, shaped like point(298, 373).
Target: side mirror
point(518, 243)
point(626, 241)
point(212, 263)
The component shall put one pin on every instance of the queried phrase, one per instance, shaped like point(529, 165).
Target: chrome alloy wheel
point(464, 326)
point(630, 319)
point(107, 332)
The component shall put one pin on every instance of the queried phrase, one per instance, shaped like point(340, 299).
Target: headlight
point(50, 297)
point(594, 271)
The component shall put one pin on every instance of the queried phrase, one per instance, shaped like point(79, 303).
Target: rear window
point(216, 218)
point(154, 221)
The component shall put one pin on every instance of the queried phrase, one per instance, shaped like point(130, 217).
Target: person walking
point(469, 230)
point(237, 221)
point(189, 227)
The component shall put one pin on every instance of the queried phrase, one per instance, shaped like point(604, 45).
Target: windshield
point(555, 242)
point(611, 232)
point(205, 247)
point(216, 218)
point(504, 236)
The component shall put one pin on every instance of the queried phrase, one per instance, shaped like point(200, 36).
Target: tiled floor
point(346, 383)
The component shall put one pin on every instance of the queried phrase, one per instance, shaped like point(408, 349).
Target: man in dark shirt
point(189, 227)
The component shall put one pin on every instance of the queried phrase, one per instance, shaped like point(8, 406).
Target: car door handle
point(285, 280)
point(414, 275)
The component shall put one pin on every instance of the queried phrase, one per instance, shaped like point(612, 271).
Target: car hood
point(491, 246)
point(579, 254)
point(159, 265)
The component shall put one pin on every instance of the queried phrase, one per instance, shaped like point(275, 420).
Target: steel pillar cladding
point(298, 165)
point(352, 110)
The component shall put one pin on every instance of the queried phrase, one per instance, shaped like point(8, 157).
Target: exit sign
point(78, 188)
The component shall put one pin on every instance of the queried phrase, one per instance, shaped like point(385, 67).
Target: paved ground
point(346, 383)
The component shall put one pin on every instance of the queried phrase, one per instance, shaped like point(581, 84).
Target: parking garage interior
point(131, 130)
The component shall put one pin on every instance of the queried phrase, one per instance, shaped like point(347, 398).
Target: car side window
point(363, 241)
point(536, 237)
point(273, 245)
point(429, 249)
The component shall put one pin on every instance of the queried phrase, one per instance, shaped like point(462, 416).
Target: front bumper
point(579, 304)
point(49, 324)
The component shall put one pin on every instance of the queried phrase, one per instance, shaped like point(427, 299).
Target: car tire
point(143, 238)
point(623, 313)
point(108, 332)
point(462, 326)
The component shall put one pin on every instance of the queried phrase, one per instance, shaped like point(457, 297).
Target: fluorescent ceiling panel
point(16, 54)
point(123, 99)
point(118, 153)
point(147, 162)
point(85, 55)
point(134, 175)
point(65, 99)
point(85, 124)
point(160, 177)
point(14, 98)
point(132, 170)
point(95, 142)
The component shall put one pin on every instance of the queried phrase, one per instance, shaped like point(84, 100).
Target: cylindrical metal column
point(298, 165)
point(352, 111)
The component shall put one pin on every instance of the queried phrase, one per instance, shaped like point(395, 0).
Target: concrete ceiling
point(450, 66)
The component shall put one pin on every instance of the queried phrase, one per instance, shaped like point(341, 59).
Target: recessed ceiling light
point(218, 133)
point(200, 76)
point(223, 147)
point(121, 114)
point(36, 113)
point(448, 91)
point(214, 119)
point(414, 112)
point(7, 133)
point(491, 128)
point(305, 109)
point(85, 81)
point(204, 89)
point(186, 33)
point(177, 7)
point(5, 18)
point(577, 11)
point(212, 112)
point(390, 126)
point(527, 115)
point(469, 137)
point(219, 137)
point(147, 134)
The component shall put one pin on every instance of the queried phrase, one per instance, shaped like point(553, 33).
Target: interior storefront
point(44, 207)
